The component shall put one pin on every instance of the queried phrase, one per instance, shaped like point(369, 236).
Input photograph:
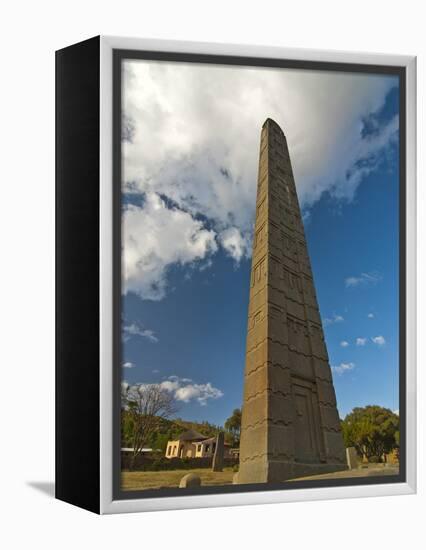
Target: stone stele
point(290, 424)
point(217, 464)
point(352, 458)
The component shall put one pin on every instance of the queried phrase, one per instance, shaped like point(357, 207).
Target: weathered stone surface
point(280, 405)
point(295, 309)
point(256, 358)
point(258, 380)
point(275, 352)
point(329, 418)
point(190, 480)
point(279, 377)
point(322, 369)
point(290, 424)
point(334, 447)
point(217, 465)
point(254, 443)
point(257, 406)
point(301, 364)
point(326, 393)
point(281, 440)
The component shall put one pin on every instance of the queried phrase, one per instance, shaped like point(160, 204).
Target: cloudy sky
point(190, 152)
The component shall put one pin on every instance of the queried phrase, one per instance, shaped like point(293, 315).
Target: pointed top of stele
point(271, 122)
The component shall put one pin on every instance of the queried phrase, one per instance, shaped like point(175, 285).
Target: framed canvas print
point(235, 275)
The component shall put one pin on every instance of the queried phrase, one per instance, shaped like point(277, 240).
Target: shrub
point(155, 466)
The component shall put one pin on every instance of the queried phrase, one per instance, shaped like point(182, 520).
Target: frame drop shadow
point(46, 487)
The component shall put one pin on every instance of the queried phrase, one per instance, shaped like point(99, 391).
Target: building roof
point(209, 440)
point(192, 435)
point(213, 440)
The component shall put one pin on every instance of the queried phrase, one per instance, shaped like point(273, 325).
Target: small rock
point(190, 480)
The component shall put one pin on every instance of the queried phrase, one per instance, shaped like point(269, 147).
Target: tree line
point(146, 423)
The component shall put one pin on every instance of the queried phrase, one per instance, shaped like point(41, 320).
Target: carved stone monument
point(217, 464)
point(290, 424)
point(352, 458)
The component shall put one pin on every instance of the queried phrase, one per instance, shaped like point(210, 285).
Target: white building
point(192, 444)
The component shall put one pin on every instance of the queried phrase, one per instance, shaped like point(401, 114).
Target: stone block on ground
point(190, 480)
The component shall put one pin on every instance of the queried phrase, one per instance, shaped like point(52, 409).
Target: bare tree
point(146, 405)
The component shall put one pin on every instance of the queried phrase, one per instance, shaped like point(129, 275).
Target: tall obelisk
point(290, 424)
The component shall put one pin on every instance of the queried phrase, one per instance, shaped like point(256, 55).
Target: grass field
point(155, 480)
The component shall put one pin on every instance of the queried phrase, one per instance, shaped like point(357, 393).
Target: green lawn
point(154, 480)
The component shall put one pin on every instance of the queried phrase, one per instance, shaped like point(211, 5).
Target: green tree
point(397, 438)
point(233, 427)
point(372, 430)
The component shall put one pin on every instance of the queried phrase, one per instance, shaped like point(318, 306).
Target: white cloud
point(343, 367)
point(379, 340)
point(206, 119)
point(134, 329)
point(334, 319)
point(370, 315)
point(183, 389)
point(364, 279)
point(344, 344)
point(154, 237)
point(170, 385)
point(194, 138)
point(234, 243)
point(396, 412)
point(128, 365)
point(186, 390)
point(361, 341)
point(200, 392)
point(155, 371)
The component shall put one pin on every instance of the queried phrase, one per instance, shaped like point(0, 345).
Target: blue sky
point(188, 216)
